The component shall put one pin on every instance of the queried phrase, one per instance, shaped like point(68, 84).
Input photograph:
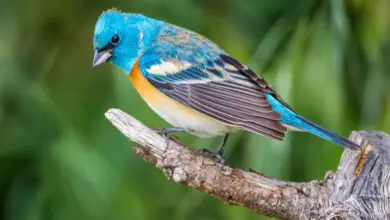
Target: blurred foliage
point(61, 159)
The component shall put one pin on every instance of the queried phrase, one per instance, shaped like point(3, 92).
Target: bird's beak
point(101, 57)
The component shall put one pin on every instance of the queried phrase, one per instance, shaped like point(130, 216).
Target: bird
point(193, 84)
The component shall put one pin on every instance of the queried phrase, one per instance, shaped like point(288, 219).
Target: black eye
point(115, 39)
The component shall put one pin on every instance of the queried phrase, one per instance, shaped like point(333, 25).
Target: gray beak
point(101, 57)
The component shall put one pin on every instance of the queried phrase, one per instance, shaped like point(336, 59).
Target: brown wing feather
point(238, 100)
point(256, 78)
point(230, 110)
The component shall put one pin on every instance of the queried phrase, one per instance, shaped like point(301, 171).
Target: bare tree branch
point(358, 190)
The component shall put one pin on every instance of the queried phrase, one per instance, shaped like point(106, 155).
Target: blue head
point(121, 37)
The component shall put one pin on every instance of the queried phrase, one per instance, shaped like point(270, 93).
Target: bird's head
point(120, 38)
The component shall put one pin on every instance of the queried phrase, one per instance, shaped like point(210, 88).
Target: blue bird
point(193, 84)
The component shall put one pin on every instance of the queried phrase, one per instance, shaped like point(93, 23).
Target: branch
point(358, 190)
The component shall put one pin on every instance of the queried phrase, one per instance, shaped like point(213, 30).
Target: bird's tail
point(308, 126)
point(297, 122)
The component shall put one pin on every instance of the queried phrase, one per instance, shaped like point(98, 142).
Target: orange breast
point(142, 85)
point(174, 112)
point(148, 92)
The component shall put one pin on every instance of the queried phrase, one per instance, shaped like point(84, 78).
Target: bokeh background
point(61, 159)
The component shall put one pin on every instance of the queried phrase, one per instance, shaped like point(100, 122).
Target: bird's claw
point(164, 132)
point(219, 156)
point(216, 155)
point(221, 159)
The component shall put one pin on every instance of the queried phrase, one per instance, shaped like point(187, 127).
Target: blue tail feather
point(292, 119)
point(324, 133)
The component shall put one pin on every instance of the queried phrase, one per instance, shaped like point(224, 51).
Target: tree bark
point(358, 190)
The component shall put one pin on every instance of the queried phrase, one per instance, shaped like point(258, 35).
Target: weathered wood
point(355, 191)
point(367, 194)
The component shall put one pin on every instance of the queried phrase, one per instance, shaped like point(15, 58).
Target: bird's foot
point(166, 131)
point(217, 155)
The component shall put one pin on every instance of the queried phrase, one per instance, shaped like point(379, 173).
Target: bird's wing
point(214, 84)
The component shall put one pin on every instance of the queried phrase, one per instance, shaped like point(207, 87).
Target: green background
point(61, 159)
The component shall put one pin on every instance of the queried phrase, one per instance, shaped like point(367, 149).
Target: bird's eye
point(115, 39)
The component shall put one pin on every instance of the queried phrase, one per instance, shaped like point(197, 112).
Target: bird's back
point(188, 45)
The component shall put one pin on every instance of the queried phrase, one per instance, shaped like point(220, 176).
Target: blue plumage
point(195, 72)
point(292, 119)
point(160, 53)
point(135, 32)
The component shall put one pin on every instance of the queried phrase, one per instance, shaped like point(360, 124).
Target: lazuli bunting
point(193, 84)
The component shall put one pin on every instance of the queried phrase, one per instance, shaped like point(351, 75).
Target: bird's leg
point(165, 131)
point(219, 153)
point(222, 146)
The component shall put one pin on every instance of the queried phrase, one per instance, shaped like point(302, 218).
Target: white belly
point(201, 125)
